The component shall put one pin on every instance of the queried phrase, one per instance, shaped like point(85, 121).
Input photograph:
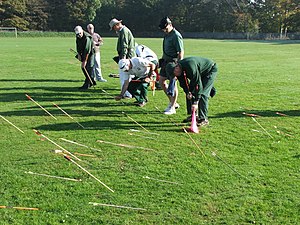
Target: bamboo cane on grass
point(66, 151)
point(193, 141)
point(40, 106)
point(135, 122)
point(262, 127)
point(67, 114)
point(71, 160)
point(51, 176)
point(12, 124)
point(123, 145)
point(17, 207)
point(115, 206)
point(234, 170)
point(82, 145)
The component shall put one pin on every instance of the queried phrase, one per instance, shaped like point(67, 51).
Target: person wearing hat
point(196, 75)
point(144, 71)
point(98, 41)
point(125, 46)
point(173, 50)
point(85, 54)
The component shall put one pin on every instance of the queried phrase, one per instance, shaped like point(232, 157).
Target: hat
point(124, 64)
point(170, 69)
point(164, 22)
point(113, 22)
point(78, 29)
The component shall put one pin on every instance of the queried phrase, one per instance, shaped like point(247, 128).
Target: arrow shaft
point(91, 175)
point(12, 124)
point(40, 106)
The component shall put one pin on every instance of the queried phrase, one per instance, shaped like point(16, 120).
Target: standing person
point(201, 73)
point(144, 71)
point(98, 41)
point(85, 54)
point(173, 50)
point(125, 47)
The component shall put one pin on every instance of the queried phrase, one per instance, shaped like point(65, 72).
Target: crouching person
point(142, 71)
point(196, 76)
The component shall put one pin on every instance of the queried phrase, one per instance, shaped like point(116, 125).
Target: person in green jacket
point(196, 76)
point(173, 50)
point(85, 54)
point(125, 47)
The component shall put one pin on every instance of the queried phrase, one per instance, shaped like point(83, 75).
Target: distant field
point(250, 173)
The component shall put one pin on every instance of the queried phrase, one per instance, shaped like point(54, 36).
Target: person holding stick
point(196, 75)
point(85, 54)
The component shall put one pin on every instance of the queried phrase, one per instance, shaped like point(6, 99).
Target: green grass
point(254, 180)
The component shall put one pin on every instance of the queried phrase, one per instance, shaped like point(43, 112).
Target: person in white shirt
point(98, 41)
point(143, 71)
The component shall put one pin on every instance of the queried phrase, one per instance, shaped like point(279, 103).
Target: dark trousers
point(207, 85)
point(139, 90)
point(88, 73)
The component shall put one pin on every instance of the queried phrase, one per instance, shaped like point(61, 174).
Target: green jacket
point(126, 44)
point(172, 44)
point(84, 47)
point(196, 70)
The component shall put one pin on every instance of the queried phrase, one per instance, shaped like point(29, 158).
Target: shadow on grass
point(110, 125)
point(262, 113)
point(39, 80)
point(58, 94)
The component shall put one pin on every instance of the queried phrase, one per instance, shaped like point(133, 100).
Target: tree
point(66, 14)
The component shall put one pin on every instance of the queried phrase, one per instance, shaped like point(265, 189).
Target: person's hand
point(118, 97)
point(83, 64)
point(147, 79)
point(194, 107)
point(189, 96)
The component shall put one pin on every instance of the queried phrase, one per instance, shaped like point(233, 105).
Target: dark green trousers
point(139, 90)
point(207, 84)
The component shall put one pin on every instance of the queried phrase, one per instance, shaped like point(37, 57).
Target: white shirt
point(145, 52)
point(140, 67)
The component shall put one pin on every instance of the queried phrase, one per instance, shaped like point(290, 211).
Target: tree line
point(254, 16)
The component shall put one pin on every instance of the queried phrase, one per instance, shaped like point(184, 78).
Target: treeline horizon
point(252, 16)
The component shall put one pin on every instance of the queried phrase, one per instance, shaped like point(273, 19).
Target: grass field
point(253, 177)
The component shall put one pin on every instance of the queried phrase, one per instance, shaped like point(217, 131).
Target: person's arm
point(123, 45)
point(124, 89)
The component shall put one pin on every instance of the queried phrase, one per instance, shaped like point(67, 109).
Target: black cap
point(164, 22)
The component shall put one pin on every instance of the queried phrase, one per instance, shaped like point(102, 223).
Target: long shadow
point(262, 113)
point(109, 125)
point(63, 92)
point(39, 80)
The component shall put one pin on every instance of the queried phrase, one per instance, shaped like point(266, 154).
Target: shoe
point(213, 92)
point(170, 111)
point(101, 80)
point(203, 122)
point(114, 75)
point(177, 106)
point(85, 86)
point(142, 104)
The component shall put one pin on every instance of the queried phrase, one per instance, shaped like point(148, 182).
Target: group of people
point(88, 53)
point(138, 66)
